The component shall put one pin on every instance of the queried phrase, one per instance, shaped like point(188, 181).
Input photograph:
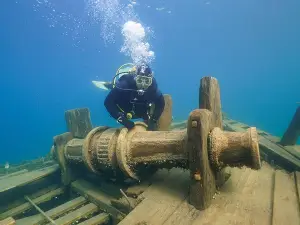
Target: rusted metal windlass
point(235, 149)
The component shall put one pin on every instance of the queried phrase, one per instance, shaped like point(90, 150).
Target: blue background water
point(251, 47)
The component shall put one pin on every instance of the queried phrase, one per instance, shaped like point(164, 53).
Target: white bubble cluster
point(111, 15)
point(135, 44)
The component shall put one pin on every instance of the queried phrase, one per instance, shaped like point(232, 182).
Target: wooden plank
point(77, 214)
point(32, 196)
point(38, 200)
point(98, 197)
point(161, 200)
point(183, 215)
point(23, 179)
point(286, 206)
point(8, 221)
point(236, 181)
point(53, 213)
point(244, 199)
point(102, 218)
point(14, 174)
point(297, 182)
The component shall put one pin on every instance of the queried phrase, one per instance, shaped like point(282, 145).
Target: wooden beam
point(27, 178)
point(161, 199)
point(203, 180)
point(100, 219)
point(77, 214)
point(285, 206)
point(210, 99)
point(78, 122)
point(53, 213)
point(60, 141)
point(293, 131)
point(8, 221)
point(26, 206)
point(98, 197)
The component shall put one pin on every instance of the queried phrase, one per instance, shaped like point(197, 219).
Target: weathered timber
point(8, 205)
point(100, 219)
point(160, 199)
point(297, 183)
point(25, 184)
point(246, 198)
point(14, 174)
point(27, 165)
point(203, 182)
point(21, 208)
point(78, 122)
point(210, 99)
point(101, 199)
point(165, 120)
point(53, 213)
point(8, 221)
point(39, 210)
point(60, 142)
point(286, 204)
point(77, 214)
point(292, 133)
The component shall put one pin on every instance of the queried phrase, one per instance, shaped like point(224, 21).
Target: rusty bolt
point(197, 176)
point(194, 124)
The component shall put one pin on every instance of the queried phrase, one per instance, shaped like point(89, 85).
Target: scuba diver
point(134, 94)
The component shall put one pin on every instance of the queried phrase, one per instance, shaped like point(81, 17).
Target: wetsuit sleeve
point(112, 108)
point(159, 103)
point(110, 104)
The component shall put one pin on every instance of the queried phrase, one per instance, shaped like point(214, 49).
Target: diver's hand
point(122, 119)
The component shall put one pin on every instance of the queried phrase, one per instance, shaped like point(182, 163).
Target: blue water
point(251, 47)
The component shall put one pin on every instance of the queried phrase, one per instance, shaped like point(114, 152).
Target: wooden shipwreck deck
point(267, 196)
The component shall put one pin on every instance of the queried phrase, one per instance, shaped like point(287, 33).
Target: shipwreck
point(208, 169)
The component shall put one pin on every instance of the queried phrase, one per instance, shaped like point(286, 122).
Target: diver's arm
point(114, 111)
point(110, 104)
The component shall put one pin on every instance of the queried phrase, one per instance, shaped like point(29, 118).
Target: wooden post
point(209, 98)
point(292, 133)
point(78, 122)
point(203, 183)
point(60, 142)
point(165, 120)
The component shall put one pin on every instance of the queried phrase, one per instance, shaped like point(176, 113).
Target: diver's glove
point(152, 124)
point(122, 119)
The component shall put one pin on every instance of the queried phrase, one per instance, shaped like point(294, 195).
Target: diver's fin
point(103, 85)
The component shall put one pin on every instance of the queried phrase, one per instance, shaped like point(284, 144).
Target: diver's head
point(143, 77)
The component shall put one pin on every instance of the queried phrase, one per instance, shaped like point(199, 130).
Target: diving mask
point(143, 82)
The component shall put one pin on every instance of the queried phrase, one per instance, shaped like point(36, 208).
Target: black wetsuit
point(125, 99)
